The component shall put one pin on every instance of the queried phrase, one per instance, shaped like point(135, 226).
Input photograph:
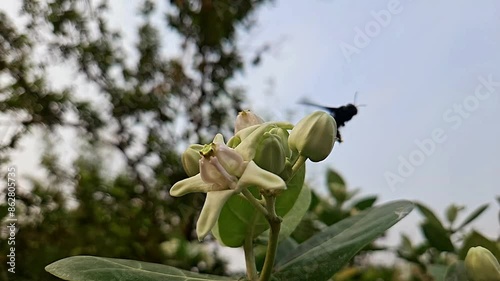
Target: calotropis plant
point(256, 195)
point(261, 155)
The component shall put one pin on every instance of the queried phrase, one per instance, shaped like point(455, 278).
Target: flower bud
point(270, 154)
point(190, 159)
point(481, 265)
point(248, 146)
point(245, 119)
point(283, 135)
point(314, 136)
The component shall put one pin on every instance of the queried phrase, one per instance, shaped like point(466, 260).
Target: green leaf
point(285, 247)
point(429, 215)
point(365, 203)
point(315, 199)
point(85, 268)
point(437, 237)
point(329, 214)
point(475, 239)
point(239, 218)
point(307, 228)
point(328, 251)
point(456, 272)
point(474, 215)
point(334, 177)
point(406, 247)
point(336, 186)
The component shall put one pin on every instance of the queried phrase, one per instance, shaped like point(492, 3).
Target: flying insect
point(341, 114)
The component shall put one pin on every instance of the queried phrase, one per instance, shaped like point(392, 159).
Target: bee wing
point(331, 110)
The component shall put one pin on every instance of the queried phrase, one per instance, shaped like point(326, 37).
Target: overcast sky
point(429, 74)
point(419, 72)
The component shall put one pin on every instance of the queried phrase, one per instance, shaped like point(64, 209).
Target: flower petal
point(230, 160)
point(245, 119)
point(190, 159)
point(256, 176)
point(210, 174)
point(219, 138)
point(211, 210)
point(189, 185)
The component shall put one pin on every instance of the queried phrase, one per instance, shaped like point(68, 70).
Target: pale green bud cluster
point(262, 155)
point(481, 265)
point(271, 152)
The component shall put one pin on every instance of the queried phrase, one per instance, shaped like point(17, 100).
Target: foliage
point(304, 262)
point(309, 260)
point(445, 242)
point(327, 210)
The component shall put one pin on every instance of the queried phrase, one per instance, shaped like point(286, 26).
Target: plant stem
point(250, 258)
point(272, 246)
point(298, 163)
point(255, 202)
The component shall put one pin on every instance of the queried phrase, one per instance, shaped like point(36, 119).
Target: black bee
point(341, 114)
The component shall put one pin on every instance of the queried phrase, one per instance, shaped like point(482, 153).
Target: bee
point(341, 114)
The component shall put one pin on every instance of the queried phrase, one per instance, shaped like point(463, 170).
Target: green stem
point(250, 258)
point(298, 163)
point(255, 202)
point(272, 246)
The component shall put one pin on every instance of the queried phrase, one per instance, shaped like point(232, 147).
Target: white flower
point(224, 172)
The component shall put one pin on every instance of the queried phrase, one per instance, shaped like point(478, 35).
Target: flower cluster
point(260, 154)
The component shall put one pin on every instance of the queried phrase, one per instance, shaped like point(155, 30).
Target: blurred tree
point(142, 107)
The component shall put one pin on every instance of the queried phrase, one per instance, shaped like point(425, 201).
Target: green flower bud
point(249, 143)
point(481, 265)
point(245, 119)
point(314, 136)
point(270, 154)
point(190, 159)
point(283, 135)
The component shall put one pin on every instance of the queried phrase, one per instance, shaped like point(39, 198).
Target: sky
point(430, 77)
point(429, 131)
point(417, 70)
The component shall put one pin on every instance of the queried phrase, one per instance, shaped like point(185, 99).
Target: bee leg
point(339, 137)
